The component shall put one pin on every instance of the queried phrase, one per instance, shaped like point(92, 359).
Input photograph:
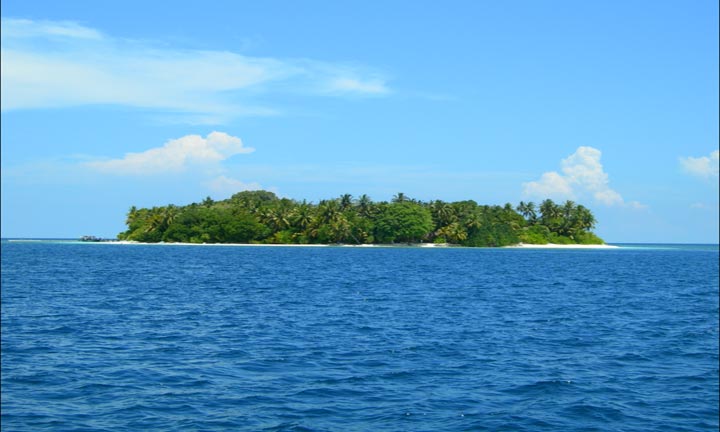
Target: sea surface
point(182, 338)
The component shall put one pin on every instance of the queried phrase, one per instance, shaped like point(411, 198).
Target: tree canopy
point(262, 217)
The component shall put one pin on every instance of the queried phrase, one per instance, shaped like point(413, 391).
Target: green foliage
point(205, 225)
point(588, 238)
point(403, 221)
point(559, 239)
point(492, 236)
point(536, 234)
point(281, 237)
point(262, 217)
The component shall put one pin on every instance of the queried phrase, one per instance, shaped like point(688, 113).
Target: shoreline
point(561, 246)
point(398, 245)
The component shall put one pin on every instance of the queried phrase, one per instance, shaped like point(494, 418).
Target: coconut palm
point(276, 218)
point(301, 216)
point(400, 197)
point(345, 201)
point(328, 211)
point(454, 233)
point(443, 213)
point(170, 213)
point(586, 219)
point(473, 221)
point(549, 212)
point(131, 216)
point(340, 229)
point(155, 222)
point(528, 211)
point(364, 206)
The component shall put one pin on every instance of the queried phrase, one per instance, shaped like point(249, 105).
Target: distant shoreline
point(562, 246)
point(395, 245)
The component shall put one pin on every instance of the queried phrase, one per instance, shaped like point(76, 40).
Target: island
point(94, 239)
point(261, 217)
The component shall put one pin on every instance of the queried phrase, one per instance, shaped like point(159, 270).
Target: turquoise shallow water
point(132, 337)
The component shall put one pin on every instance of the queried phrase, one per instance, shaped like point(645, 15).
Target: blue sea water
point(142, 337)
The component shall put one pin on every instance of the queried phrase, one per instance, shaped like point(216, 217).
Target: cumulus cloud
point(48, 64)
point(176, 155)
point(582, 174)
point(704, 166)
point(551, 185)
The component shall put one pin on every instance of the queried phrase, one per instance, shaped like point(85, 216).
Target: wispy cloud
point(176, 155)
point(369, 87)
point(706, 167)
point(582, 174)
point(47, 64)
point(223, 185)
point(699, 205)
point(23, 28)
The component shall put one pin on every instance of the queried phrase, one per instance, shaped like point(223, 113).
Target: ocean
point(182, 338)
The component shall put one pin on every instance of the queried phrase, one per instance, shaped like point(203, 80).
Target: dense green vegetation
point(262, 217)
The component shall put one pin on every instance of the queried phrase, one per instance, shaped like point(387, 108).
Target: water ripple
point(323, 339)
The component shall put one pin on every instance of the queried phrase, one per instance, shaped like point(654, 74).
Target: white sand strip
point(399, 245)
point(125, 242)
point(562, 246)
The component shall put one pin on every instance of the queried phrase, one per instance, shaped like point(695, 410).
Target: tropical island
point(260, 217)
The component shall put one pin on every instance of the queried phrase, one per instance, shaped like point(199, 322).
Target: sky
point(612, 104)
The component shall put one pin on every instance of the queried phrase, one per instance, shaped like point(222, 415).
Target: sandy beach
point(562, 246)
point(424, 245)
point(125, 242)
point(398, 245)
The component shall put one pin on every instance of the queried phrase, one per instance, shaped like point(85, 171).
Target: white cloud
point(371, 87)
point(703, 166)
point(224, 185)
point(176, 155)
point(49, 64)
point(582, 174)
point(23, 28)
point(550, 185)
point(636, 205)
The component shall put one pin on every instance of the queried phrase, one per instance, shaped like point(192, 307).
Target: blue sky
point(613, 104)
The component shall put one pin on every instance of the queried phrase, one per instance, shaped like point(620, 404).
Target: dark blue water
point(130, 337)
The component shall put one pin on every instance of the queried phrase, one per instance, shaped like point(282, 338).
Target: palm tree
point(551, 215)
point(170, 213)
point(131, 216)
point(340, 229)
point(473, 221)
point(345, 201)
point(161, 217)
point(443, 213)
point(549, 210)
point(399, 198)
point(454, 232)
point(276, 218)
point(301, 216)
point(155, 221)
point(568, 208)
point(528, 211)
point(328, 211)
point(364, 206)
point(585, 218)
